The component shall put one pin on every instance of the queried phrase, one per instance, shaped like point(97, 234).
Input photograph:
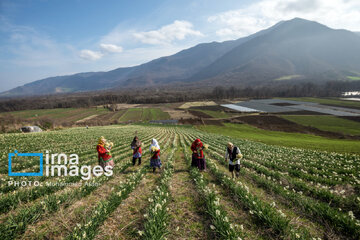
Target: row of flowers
point(335, 199)
point(121, 151)
point(221, 225)
point(265, 214)
point(105, 207)
point(323, 167)
point(342, 222)
point(16, 224)
point(296, 175)
point(157, 215)
point(89, 156)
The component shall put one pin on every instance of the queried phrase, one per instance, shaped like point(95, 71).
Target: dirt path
point(188, 220)
point(125, 221)
point(87, 118)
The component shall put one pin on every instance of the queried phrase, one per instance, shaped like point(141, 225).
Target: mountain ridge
point(294, 47)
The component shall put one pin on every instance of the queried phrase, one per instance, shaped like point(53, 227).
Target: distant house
point(30, 129)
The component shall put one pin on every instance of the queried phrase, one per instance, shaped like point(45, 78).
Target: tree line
point(181, 94)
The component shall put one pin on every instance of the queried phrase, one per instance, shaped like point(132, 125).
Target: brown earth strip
point(179, 114)
point(301, 112)
point(199, 114)
point(352, 118)
point(128, 219)
point(125, 221)
point(187, 214)
point(212, 108)
point(275, 123)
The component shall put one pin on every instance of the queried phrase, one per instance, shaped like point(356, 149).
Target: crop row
point(344, 223)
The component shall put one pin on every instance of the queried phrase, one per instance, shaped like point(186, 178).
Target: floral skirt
point(155, 162)
point(103, 164)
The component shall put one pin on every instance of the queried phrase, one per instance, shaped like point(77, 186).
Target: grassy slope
point(244, 131)
point(118, 114)
point(154, 114)
point(144, 114)
point(74, 114)
point(329, 101)
point(132, 114)
point(327, 123)
point(58, 113)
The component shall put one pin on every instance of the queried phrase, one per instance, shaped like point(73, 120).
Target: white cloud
point(344, 14)
point(24, 46)
point(110, 48)
point(178, 30)
point(90, 55)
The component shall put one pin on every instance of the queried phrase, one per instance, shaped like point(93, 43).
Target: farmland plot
point(282, 193)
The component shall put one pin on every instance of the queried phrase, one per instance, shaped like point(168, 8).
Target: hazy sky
point(44, 38)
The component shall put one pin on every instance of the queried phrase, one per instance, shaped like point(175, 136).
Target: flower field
point(281, 193)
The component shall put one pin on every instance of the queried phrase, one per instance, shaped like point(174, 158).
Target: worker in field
point(155, 161)
point(233, 155)
point(104, 156)
point(198, 158)
point(137, 152)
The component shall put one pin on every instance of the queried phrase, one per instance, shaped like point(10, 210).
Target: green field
point(144, 114)
point(328, 101)
point(244, 131)
point(327, 123)
point(154, 114)
point(280, 193)
point(75, 114)
point(71, 114)
point(132, 114)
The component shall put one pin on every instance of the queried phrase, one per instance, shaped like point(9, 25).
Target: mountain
point(294, 48)
point(178, 66)
point(289, 50)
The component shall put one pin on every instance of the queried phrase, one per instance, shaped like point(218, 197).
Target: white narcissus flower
point(217, 212)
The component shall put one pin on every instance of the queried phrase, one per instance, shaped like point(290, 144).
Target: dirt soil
point(179, 114)
point(303, 112)
point(199, 114)
point(193, 104)
point(274, 123)
point(353, 118)
point(211, 108)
